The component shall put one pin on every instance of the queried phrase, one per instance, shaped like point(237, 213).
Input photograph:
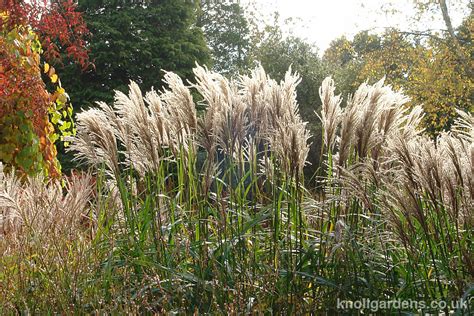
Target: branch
point(417, 33)
point(457, 46)
point(447, 18)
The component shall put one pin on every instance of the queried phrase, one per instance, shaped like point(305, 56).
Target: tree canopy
point(227, 33)
point(136, 40)
point(434, 68)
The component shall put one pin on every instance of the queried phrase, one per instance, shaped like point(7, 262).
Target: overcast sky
point(321, 21)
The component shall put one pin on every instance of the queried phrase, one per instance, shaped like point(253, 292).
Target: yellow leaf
point(62, 98)
point(54, 78)
point(46, 67)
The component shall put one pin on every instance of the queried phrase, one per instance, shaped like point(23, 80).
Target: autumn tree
point(431, 72)
point(58, 24)
point(433, 66)
point(434, 69)
point(32, 117)
point(343, 63)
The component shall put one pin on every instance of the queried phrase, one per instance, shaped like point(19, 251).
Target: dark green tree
point(228, 35)
point(135, 40)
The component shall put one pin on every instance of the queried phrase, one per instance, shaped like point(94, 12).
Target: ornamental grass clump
point(43, 207)
point(417, 189)
point(193, 201)
point(46, 229)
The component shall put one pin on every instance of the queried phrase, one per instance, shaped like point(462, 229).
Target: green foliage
point(228, 35)
point(135, 40)
point(19, 145)
point(277, 53)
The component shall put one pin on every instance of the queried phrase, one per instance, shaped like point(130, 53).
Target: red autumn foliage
point(22, 87)
point(60, 29)
point(59, 25)
point(22, 91)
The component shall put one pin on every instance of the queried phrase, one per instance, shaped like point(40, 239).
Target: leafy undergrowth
point(209, 214)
